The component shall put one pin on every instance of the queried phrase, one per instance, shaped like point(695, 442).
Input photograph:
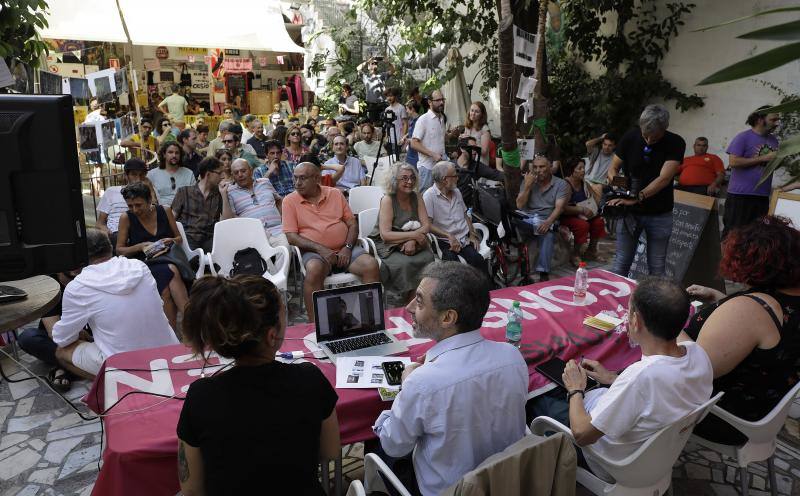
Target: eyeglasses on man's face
point(228, 141)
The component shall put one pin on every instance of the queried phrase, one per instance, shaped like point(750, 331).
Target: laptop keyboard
point(358, 343)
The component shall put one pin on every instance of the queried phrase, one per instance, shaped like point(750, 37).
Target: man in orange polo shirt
point(703, 172)
point(318, 220)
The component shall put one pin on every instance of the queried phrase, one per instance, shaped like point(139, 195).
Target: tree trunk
point(508, 128)
point(540, 106)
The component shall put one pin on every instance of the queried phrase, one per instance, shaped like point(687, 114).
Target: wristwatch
point(574, 392)
point(641, 196)
point(349, 246)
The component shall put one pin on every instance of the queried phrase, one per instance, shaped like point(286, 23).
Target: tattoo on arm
point(183, 464)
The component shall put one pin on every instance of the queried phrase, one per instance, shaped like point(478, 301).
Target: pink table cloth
point(140, 457)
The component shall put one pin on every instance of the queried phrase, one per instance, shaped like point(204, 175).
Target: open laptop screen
point(348, 311)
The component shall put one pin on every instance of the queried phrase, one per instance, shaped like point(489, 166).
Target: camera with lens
point(388, 116)
point(615, 192)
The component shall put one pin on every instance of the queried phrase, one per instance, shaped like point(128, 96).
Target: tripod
point(387, 127)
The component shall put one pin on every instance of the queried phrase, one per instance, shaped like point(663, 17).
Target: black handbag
point(186, 78)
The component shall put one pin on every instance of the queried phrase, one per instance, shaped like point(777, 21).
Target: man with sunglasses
point(143, 140)
point(650, 157)
point(254, 198)
point(232, 142)
point(199, 207)
point(170, 174)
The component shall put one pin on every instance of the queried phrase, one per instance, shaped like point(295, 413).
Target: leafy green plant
point(762, 62)
point(20, 21)
point(582, 105)
point(350, 36)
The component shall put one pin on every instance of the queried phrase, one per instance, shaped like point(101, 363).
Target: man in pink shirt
point(318, 220)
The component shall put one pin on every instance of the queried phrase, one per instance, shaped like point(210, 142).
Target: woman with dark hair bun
point(752, 336)
point(262, 426)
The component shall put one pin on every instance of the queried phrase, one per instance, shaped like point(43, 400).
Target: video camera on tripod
point(387, 118)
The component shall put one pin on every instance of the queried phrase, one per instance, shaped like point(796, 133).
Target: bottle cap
point(582, 264)
point(515, 304)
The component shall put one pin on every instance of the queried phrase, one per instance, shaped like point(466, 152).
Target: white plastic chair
point(201, 262)
point(232, 235)
point(647, 471)
point(356, 489)
point(483, 246)
point(761, 436)
point(366, 224)
point(364, 197)
point(373, 468)
point(380, 171)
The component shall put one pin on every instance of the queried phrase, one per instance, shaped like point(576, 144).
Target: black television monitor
point(42, 227)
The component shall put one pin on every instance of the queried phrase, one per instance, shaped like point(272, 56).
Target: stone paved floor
point(47, 449)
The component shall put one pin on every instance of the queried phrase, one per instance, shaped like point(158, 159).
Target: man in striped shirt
point(256, 198)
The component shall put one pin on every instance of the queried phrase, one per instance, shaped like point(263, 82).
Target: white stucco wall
point(693, 56)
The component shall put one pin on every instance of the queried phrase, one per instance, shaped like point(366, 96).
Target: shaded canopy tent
point(260, 28)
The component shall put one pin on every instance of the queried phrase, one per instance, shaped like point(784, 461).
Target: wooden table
point(43, 292)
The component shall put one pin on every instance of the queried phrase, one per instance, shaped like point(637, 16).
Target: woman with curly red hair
point(752, 336)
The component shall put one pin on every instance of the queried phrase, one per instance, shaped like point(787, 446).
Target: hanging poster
point(237, 64)
point(200, 81)
point(87, 137)
point(107, 133)
point(524, 48)
point(50, 84)
point(78, 88)
point(121, 81)
point(103, 90)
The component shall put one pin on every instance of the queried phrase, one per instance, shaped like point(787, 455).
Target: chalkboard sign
point(693, 253)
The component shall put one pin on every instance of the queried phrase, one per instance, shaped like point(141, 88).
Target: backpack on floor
point(248, 261)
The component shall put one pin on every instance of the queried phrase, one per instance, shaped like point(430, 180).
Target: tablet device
point(553, 369)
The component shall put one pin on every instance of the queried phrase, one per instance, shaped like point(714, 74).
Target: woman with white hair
point(401, 233)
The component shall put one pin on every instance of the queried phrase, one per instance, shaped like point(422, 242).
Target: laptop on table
point(350, 321)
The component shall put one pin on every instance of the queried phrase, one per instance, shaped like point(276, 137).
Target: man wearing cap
point(112, 205)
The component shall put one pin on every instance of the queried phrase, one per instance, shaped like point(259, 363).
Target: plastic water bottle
point(514, 326)
point(581, 282)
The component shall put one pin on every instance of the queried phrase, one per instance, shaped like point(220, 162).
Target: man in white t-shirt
point(117, 298)
point(428, 139)
point(669, 382)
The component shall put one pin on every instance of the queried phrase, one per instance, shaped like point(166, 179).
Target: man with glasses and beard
point(232, 143)
point(749, 152)
point(451, 414)
point(170, 174)
point(428, 139)
point(254, 198)
point(650, 156)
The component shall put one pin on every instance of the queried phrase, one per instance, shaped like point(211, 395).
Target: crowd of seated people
point(293, 179)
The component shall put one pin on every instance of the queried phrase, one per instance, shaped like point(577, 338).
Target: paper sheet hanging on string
point(524, 48)
point(526, 85)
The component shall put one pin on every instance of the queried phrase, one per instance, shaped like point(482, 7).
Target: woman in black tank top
point(134, 236)
point(752, 336)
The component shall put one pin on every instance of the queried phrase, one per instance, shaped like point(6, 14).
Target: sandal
point(60, 379)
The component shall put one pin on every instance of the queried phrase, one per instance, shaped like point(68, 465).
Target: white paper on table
point(364, 372)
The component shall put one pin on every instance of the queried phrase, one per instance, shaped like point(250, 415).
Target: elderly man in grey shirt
point(450, 222)
point(542, 198)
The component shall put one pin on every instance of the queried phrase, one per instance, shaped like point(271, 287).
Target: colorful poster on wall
point(238, 64)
